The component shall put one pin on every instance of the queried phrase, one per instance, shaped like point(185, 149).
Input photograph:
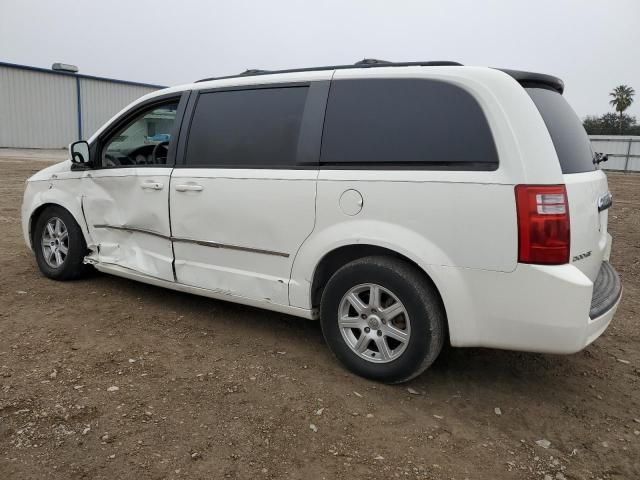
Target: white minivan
point(401, 204)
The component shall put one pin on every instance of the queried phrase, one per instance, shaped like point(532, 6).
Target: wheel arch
point(37, 211)
point(344, 254)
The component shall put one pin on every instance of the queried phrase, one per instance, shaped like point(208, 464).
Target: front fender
point(40, 193)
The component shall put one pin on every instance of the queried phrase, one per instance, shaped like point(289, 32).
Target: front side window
point(143, 141)
point(256, 128)
point(405, 123)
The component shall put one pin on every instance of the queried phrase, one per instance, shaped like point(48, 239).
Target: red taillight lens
point(543, 224)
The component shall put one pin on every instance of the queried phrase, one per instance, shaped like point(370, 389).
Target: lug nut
point(379, 333)
point(367, 329)
point(363, 316)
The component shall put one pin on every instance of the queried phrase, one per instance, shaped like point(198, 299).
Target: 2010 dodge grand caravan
point(399, 203)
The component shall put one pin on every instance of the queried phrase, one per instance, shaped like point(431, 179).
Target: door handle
point(188, 188)
point(152, 185)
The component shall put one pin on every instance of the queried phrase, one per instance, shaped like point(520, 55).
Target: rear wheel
point(382, 318)
point(59, 245)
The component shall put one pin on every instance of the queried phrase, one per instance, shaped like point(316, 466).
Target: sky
point(592, 45)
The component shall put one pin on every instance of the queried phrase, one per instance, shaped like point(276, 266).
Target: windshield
point(569, 136)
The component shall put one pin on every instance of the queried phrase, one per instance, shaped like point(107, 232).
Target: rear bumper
point(598, 325)
point(607, 293)
point(607, 290)
point(535, 308)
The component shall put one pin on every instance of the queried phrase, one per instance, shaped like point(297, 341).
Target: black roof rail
point(364, 63)
point(252, 71)
point(371, 61)
point(526, 79)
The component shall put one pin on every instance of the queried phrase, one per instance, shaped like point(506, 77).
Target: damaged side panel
point(127, 214)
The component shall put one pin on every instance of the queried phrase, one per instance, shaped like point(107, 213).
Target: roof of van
point(526, 79)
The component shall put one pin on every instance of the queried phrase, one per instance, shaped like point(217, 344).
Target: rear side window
point(567, 133)
point(246, 128)
point(408, 123)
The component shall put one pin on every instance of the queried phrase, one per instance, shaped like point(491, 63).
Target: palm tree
point(622, 99)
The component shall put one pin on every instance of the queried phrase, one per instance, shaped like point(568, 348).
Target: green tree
point(622, 99)
point(609, 124)
point(593, 125)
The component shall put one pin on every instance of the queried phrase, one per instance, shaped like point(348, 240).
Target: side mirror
point(79, 152)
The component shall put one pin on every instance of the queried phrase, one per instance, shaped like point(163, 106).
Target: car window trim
point(482, 166)
point(129, 116)
point(309, 136)
point(452, 166)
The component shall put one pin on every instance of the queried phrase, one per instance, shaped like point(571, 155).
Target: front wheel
point(382, 319)
point(59, 245)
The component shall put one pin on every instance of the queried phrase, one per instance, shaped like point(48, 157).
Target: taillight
point(543, 224)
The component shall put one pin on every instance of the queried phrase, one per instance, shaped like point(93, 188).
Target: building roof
point(80, 75)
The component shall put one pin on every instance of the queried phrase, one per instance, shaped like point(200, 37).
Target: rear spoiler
point(536, 80)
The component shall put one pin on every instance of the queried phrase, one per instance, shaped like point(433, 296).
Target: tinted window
point(569, 136)
point(144, 141)
point(246, 128)
point(408, 122)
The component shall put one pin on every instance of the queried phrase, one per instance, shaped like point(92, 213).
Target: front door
point(126, 195)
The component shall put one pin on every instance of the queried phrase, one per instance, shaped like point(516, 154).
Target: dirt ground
point(208, 389)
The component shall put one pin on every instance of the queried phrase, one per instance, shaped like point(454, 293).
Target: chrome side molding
point(204, 243)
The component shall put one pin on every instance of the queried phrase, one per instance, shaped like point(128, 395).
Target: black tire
point(72, 267)
point(421, 301)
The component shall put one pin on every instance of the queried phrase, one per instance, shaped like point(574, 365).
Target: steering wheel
point(111, 160)
point(154, 154)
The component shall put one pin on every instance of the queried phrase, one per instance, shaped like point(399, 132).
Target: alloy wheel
point(374, 323)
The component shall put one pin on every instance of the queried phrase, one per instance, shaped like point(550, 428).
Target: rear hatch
point(586, 185)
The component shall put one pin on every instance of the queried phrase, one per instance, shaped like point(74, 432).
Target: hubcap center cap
point(373, 321)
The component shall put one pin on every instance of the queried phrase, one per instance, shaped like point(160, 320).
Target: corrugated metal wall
point(623, 151)
point(39, 109)
point(102, 100)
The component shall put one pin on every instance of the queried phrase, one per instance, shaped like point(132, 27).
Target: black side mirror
point(79, 152)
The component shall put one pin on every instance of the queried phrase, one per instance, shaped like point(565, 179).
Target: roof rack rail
point(364, 63)
point(252, 71)
point(372, 61)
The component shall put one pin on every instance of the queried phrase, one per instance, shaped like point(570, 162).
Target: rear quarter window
point(405, 123)
point(567, 133)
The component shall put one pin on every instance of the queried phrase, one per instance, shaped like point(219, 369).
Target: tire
point(400, 286)
point(71, 266)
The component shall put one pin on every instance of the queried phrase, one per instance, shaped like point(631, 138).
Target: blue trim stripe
point(78, 75)
point(79, 97)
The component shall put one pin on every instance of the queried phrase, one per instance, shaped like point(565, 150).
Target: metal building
point(42, 108)
point(623, 151)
